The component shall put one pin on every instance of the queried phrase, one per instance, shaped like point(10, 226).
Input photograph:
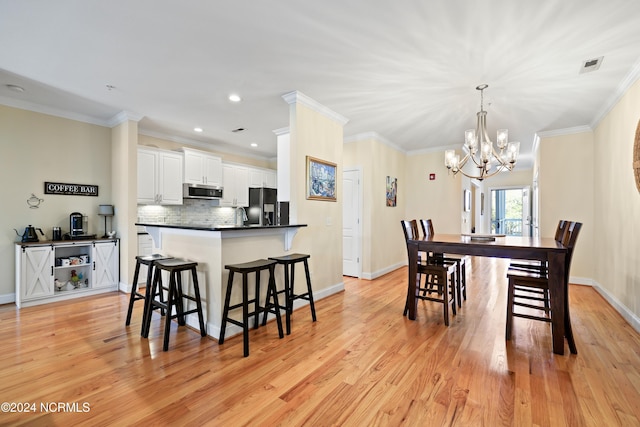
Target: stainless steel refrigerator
point(262, 206)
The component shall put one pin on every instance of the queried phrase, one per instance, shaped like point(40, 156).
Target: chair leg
point(445, 292)
point(177, 299)
point(288, 297)
point(150, 293)
point(196, 291)
point(510, 297)
point(256, 315)
point(459, 283)
point(568, 332)
point(134, 290)
point(245, 315)
point(272, 285)
point(464, 280)
point(225, 311)
point(167, 317)
point(309, 291)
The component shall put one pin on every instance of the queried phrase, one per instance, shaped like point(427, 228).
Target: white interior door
point(351, 223)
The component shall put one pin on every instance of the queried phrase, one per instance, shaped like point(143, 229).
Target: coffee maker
point(76, 227)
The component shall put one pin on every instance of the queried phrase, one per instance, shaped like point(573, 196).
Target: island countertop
point(214, 227)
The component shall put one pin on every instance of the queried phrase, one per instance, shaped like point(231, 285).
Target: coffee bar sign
point(70, 189)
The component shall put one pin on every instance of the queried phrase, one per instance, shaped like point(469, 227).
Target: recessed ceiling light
point(15, 88)
point(234, 98)
point(253, 144)
point(197, 129)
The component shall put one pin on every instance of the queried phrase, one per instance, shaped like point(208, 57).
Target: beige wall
point(36, 148)
point(440, 199)
point(565, 184)
point(616, 222)
point(383, 247)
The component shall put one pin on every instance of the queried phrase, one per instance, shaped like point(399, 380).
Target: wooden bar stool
point(289, 262)
point(245, 269)
point(149, 261)
point(174, 267)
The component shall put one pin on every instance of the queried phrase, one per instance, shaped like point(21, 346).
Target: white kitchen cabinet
point(159, 177)
point(259, 178)
point(235, 180)
point(34, 270)
point(53, 271)
point(202, 168)
point(105, 265)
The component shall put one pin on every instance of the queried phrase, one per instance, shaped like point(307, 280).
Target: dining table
point(512, 247)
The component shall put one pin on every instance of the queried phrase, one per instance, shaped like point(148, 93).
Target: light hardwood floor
point(362, 363)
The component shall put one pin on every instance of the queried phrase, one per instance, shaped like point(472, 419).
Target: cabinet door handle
point(94, 265)
point(52, 270)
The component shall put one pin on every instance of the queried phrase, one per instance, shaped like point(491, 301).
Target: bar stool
point(289, 262)
point(149, 261)
point(245, 269)
point(175, 267)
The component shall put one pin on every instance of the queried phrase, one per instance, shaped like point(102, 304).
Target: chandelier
point(478, 140)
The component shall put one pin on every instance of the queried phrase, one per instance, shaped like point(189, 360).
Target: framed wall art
point(321, 180)
point(392, 191)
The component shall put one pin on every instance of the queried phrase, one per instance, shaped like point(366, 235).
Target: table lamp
point(105, 211)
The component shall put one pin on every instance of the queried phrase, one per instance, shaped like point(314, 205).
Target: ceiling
point(404, 70)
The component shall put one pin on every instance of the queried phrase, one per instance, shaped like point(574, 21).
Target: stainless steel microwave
point(199, 191)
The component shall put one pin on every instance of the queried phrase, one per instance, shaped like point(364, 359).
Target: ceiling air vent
point(591, 65)
point(237, 130)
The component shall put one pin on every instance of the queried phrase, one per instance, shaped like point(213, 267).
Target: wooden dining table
point(513, 247)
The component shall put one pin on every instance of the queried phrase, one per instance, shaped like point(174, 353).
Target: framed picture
point(321, 180)
point(392, 190)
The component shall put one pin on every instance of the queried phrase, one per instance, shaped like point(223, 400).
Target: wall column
point(315, 131)
point(124, 184)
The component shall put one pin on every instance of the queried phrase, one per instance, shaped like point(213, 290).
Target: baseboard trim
point(214, 330)
point(382, 272)
point(7, 298)
point(627, 314)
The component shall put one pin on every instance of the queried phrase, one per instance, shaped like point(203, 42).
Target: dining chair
point(535, 265)
point(525, 287)
point(459, 260)
point(440, 278)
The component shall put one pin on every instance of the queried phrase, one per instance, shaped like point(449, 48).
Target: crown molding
point(282, 131)
point(375, 136)
point(623, 87)
point(37, 108)
point(124, 116)
point(566, 131)
point(205, 145)
point(297, 97)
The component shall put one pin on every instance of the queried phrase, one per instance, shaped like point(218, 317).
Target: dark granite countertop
point(214, 227)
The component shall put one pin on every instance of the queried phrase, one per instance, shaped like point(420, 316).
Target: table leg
point(411, 284)
point(557, 296)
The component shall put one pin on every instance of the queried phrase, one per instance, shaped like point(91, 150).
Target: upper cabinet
point(159, 177)
point(262, 178)
point(235, 179)
point(202, 168)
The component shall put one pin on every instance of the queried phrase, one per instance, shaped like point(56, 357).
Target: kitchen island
point(213, 247)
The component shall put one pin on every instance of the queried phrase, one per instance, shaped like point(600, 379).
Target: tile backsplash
point(192, 211)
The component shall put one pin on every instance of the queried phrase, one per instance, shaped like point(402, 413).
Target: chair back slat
point(560, 231)
point(427, 227)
